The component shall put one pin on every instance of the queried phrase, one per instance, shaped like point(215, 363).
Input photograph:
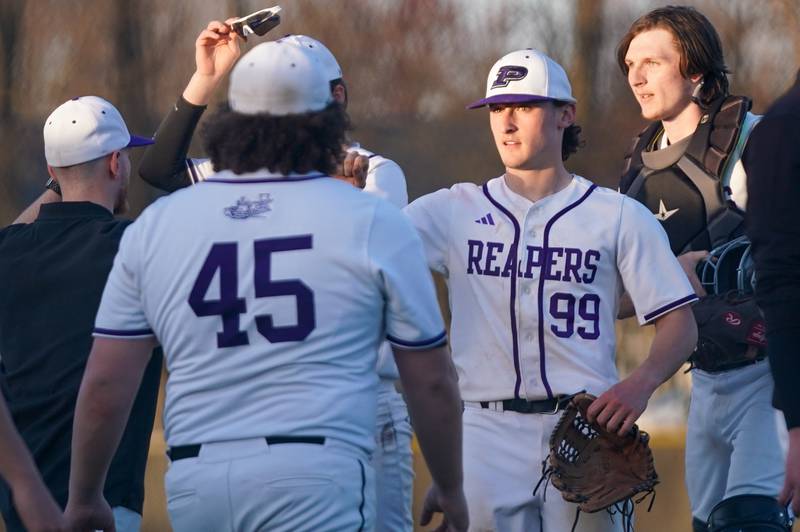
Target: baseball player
point(270, 317)
point(685, 168)
point(535, 261)
point(166, 166)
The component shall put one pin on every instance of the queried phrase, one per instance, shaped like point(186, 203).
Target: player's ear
point(565, 115)
point(114, 163)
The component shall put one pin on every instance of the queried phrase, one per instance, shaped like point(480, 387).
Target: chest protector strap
point(703, 164)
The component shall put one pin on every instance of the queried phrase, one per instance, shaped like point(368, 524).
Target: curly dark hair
point(697, 40)
point(572, 137)
point(298, 143)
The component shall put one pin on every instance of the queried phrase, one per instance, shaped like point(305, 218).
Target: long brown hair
point(697, 40)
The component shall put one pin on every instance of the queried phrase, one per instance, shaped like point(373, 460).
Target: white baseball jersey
point(385, 179)
point(534, 287)
point(270, 295)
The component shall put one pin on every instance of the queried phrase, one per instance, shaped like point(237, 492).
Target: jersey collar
point(262, 176)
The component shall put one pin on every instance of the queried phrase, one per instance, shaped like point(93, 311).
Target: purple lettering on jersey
point(474, 254)
point(589, 310)
point(229, 306)
point(551, 257)
point(492, 248)
point(572, 264)
point(509, 73)
point(590, 260)
point(508, 269)
point(567, 314)
point(265, 286)
point(534, 259)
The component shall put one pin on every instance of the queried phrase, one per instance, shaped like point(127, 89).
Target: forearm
point(164, 163)
point(674, 341)
point(16, 464)
point(32, 211)
point(107, 393)
point(434, 404)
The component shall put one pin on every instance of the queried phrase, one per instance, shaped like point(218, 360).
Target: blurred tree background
point(411, 67)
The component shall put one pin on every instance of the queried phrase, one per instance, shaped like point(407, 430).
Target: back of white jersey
point(270, 296)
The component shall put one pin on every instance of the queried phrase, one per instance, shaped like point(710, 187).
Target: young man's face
point(654, 75)
point(528, 136)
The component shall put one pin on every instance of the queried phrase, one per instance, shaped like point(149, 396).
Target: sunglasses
point(258, 23)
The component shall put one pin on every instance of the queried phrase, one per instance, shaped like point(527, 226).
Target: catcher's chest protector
point(681, 184)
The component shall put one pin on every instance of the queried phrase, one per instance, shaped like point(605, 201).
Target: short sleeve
point(650, 272)
point(430, 215)
point(121, 313)
point(411, 312)
point(386, 180)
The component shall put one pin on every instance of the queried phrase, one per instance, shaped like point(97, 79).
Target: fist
point(354, 169)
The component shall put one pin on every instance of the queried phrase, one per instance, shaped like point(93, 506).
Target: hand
point(791, 483)
point(354, 169)
point(37, 509)
point(215, 52)
point(216, 49)
point(688, 262)
point(89, 516)
point(454, 507)
point(621, 405)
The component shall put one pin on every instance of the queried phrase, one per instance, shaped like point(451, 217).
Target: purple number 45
point(223, 258)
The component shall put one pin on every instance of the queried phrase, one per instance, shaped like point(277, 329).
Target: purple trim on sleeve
point(437, 341)
point(666, 308)
point(282, 179)
point(545, 253)
point(192, 171)
point(117, 332)
point(513, 281)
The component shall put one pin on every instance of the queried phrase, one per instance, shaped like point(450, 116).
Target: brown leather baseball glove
point(595, 468)
point(730, 332)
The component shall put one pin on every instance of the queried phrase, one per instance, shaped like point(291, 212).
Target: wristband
point(53, 185)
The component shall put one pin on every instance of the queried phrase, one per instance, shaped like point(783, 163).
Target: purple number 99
point(562, 307)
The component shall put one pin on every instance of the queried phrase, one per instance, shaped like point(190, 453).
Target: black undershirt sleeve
point(164, 163)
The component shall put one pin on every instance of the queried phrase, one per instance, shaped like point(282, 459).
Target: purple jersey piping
point(513, 299)
point(282, 179)
point(546, 254)
point(656, 313)
point(117, 332)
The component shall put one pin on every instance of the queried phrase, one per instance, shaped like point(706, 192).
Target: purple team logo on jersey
point(509, 73)
point(246, 208)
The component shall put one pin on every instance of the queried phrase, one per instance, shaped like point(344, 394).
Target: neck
point(537, 184)
point(77, 192)
point(683, 124)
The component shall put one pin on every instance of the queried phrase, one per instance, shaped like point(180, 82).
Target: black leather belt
point(191, 451)
point(523, 406)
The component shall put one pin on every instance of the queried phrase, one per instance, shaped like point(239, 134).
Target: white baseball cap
point(84, 129)
point(328, 61)
point(278, 78)
point(525, 76)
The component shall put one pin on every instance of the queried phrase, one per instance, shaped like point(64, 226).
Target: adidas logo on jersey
point(486, 220)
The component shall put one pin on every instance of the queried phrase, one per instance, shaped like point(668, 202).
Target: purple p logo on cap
point(509, 73)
